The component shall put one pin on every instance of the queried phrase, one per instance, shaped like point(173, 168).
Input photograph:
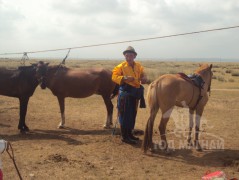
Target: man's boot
point(125, 137)
point(131, 136)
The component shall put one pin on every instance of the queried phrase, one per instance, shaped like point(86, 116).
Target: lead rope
point(13, 159)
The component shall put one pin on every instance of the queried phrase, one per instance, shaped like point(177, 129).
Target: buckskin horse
point(170, 90)
point(76, 83)
point(19, 83)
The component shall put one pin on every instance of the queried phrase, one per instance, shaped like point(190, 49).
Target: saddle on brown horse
point(194, 79)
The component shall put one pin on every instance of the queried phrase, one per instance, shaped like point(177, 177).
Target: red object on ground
point(1, 175)
point(217, 174)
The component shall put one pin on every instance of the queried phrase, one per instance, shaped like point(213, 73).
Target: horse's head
point(205, 71)
point(41, 73)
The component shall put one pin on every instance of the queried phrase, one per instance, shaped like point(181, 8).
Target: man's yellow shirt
point(124, 69)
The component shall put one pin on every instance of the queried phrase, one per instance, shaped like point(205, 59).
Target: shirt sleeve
point(117, 75)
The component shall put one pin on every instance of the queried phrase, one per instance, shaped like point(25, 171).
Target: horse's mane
point(57, 66)
point(25, 68)
point(24, 72)
point(7, 69)
point(16, 69)
point(53, 68)
point(201, 68)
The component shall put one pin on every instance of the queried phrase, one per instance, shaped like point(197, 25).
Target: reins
point(13, 159)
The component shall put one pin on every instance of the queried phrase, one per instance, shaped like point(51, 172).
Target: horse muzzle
point(42, 82)
point(43, 86)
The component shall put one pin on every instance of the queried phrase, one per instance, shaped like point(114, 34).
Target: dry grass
point(224, 74)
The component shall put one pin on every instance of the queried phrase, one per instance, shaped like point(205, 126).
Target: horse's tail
point(152, 95)
point(115, 91)
point(154, 106)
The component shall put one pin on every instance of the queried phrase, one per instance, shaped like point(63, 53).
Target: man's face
point(130, 57)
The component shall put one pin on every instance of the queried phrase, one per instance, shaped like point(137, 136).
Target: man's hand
point(144, 80)
point(128, 78)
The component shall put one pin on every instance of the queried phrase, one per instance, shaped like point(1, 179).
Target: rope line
point(127, 41)
point(63, 61)
point(24, 58)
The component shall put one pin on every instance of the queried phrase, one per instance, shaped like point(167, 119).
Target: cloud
point(8, 19)
point(28, 25)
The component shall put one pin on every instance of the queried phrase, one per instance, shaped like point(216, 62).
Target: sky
point(35, 25)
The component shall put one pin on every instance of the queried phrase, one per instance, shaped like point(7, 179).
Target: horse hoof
point(198, 146)
point(151, 150)
point(107, 126)
point(190, 144)
point(61, 127)
point(168, 151)
point(199, 149)
point(22, 131)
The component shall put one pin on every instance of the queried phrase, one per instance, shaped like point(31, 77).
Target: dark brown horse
point(66, 82)
point(172, 90)
point(19, 83)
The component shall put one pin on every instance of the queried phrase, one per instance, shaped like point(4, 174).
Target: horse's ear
point(43, 63)
point(210, 66)
point(34, 64)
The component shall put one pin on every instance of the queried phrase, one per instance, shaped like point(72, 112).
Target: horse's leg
point(162, 128)
point(61, 101)
point(109, 107)
point(23, 110)
point(148, 134)
point(199, 112)
point(191, 113)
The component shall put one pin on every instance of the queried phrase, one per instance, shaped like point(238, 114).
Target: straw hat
point(130, 49)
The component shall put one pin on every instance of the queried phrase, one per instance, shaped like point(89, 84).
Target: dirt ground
point(84, 150)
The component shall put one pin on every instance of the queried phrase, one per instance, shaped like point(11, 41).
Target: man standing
point(129, 75)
